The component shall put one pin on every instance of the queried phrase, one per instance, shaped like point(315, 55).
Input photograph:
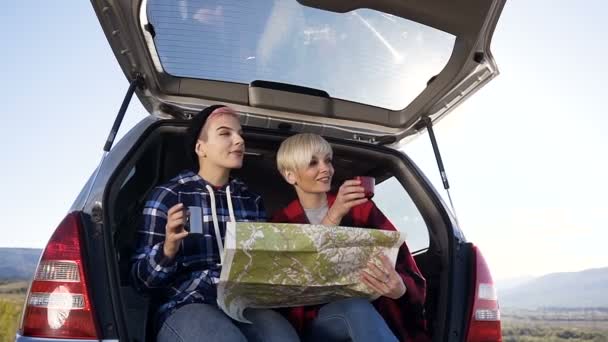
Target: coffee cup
point(368, 184)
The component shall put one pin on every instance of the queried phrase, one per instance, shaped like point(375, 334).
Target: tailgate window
point(363, 56)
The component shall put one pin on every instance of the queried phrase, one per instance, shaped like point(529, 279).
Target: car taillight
point(485, 314)
point(58, 304)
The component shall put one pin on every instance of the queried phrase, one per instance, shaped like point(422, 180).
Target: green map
point(271, 265)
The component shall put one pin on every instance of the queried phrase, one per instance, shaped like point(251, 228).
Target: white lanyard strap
point(216, 225)
point(230, 210)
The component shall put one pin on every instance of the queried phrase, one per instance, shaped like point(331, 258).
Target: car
point(367, 75)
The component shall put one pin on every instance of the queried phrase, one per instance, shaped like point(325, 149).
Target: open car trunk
point(160, 154)
point(365, 69)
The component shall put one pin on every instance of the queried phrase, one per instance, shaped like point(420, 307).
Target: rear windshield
point(363, 56)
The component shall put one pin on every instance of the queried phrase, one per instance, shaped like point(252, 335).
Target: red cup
point(368, 184)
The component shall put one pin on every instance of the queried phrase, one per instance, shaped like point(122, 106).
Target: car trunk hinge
point(136, 82)
point(428, 123)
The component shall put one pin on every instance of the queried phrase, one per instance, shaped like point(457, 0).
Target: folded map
point(272, 265)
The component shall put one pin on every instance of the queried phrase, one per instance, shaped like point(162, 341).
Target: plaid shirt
point(405, 316)
point(191, 277)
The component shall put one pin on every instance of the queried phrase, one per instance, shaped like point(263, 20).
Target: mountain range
point(583, 289)
point(18, 264)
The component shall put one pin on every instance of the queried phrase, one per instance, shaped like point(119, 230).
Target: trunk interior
point(161, 153)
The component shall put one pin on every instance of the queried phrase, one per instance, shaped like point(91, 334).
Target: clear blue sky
point(525, 155)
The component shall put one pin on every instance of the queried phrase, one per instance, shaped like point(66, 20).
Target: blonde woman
point(305, 162)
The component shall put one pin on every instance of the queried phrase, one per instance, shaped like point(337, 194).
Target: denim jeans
point(353, 319)
point(204, 322)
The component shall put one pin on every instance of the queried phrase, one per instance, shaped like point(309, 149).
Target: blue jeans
point(205, 322)
point(352, 319)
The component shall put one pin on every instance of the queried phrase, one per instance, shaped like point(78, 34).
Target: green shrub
point(537, 332)
point(10, 315)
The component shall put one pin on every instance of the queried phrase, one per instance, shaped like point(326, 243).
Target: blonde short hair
point(296, 151)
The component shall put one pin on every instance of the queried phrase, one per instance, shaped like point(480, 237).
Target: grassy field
point(12, 295)
point(555, 325)
point(537, 332)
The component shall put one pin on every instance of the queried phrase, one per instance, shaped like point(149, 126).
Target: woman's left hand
point(383, 279)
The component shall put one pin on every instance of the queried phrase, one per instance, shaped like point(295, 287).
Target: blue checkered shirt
point(191, 277)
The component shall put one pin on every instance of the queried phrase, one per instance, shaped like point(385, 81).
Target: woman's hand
point(383, 279)
point(174, 230)
point(350, 195)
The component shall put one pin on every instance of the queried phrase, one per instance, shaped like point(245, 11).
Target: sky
point(525, 155)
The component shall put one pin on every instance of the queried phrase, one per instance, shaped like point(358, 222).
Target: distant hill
point(18, 263)
point(587, 288)
point(507, 284)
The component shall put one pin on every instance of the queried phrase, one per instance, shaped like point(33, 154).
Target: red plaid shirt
point(405, 316)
